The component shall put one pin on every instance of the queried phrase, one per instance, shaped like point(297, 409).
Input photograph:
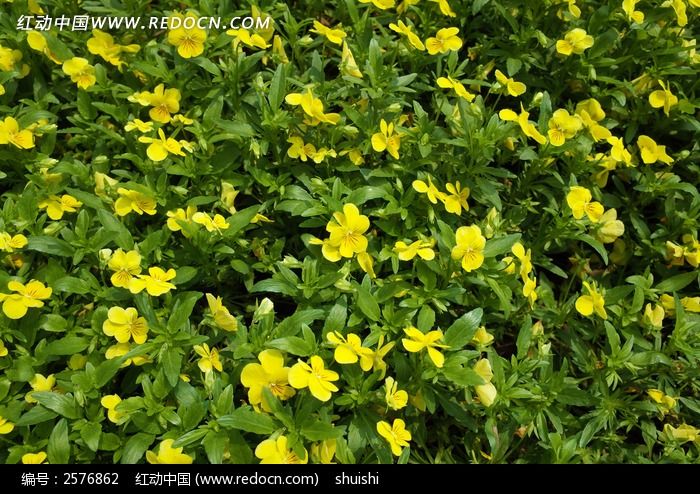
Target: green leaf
point(500, 245)
point(336, 318)
point(122, 236)
point(240, 220)
point(171, 360)
point(67, 345)
point(463, 329)
point(182, 309)
point(69, 284)
point(599, 247)
point(319, 430)
point(293, 345)
point(50, 245)
point(214, 444)
point(58, 448)
point(245, 419)
point(677, 282)
point(61, 404)
point(367, 304)
point(461, 376)
point(36, 415)
point(90, 433)
point(136, 447)
point(278, 87)
point(275, 286)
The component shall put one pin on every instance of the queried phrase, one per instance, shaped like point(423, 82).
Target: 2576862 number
point(84, 478)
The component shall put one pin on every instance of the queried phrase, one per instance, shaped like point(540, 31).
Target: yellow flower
point(121, 349)
point(103, 44)
point(395, 399)
point(315, 376)
point(132, 200)
point(618, 152)
point(407, 31)
point(102, 183)
point(188, 40)
point(575, 41)
point(299, 149)
point(563, 126)
point(593, 302)
point(324, 451)
point(139, 125)
point(380, 4)
point(156, 282)
point(482, 337)
point(486, 392)
point(666, 402)
point(275, 452)
point(460, 90)
point(55, 206)
point(349, 350)
point(125, 265)
point(456, 198)
point(421, 248)
point(609, 227)
point(429, 189)
point(396, 435)
point(270, 373)
point(418, 341)
point(445, 8)
point(228, 196)
point(3, 349)
point(167, 455)
point(110, 402)
point(250, 40)
point(663, 98)
point(40, 383)
point(164, 102)
point(80, 72)
point(34, 458)
point(405, 4)
point(469, 247)
point(632, 15)
point(5, 426)
point(209, 358)
point(652, 152)
point(347, 231)
point(530, 290)
point(321, 154)
point(10, 133)
point(513, 87)
point(580, 200)
point(334, 35)
point(445, 40)
point(222, 317)
point(313, 107)
point(591, 113)
point(683, 433)
point(518, 251)
point(178, 216)
point(386, 139)
point(160, 148)
point(525, 124)
point(37, 42)
point(654, 316)
point(215, 224)
point(348, 65)
point(16, 305)
point(9, 243)
point(382, 350)
point(679, 9)
point(125, 324)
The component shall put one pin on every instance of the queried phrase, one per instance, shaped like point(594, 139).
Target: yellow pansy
point(103, 184)
point(445, 40)
point(80, 72)
point(663, 98)
point(530, 290)
point(251, 40)
point(103, 44)
point(334, 35)
point(125, 265)
point(6, 426)
point(469, 247)
point(683, 433)
point(679, 9)
point(460, 90)
point(299, 149)
point(156, 282)
point(422, 248)
point(315, 376)
point(349, 350)
point(222, 316)
point(586, 305)
point(563, 126)
point(132, 200)
point(609, 227)
point(618, 151)
point(161, 147)
point(3, 349)
point(513, 87)
point(525, 124)
point(348, 65)
point(110, 402)
point(666, 402)
point(395, 434)
point(429, 189)
point(209, 358)
point(482, 337)
point(56, 206)
point(34, 458)
point(324, 451)
point(486, 392)
point(580, 200)
point(407, 31)
point(121, 349)
point(180, 216)
point(347, 231)
point(382, 350)
point(418, 341)
point(524, 257)
point(16, 305)
point(444, 8)
point(9, 243)
point(10, 133)
point(387, 139)
point(575, 41)
point(125, 324)
point(654, 315)
point(652, 152)
point(270, 373)
point(380, 4)
point(140, 125)
point(212, 224)
point(632, 15)
point(395, 398)
point(165, 102)
point(37, 42)
point(188, 40)
point(228, 196)
point(276, 452)
point(40, 383)
point(313, 107)
point(167, 455)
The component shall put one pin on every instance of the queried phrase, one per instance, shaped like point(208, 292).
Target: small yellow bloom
point(380, 4)
point(530, 290)
point(125, 265)
point(56, 206)
point(315, 376)
point(679, 9)
point(121, 349)
point(40, 383)
point(334, 35)
point(429, 189)
point(178, 216)
point(103, 44)
point(9, 243)
point(528, 127)
point(635, 16)
point(652, 152)
point(593, 302)
point(34, 458)
point(160, 148)
point(418, 341)
point(10, 133)
point(387, 139)
point(445, 40)
point(80, 72)
point(103, 183)
point(3, 349)
point(460, 90)
point(421, 248)
point(276, 452)
point(324, 451)
point(228, 196)
point(618, 151)
point(382, 350)
point(16, 305)
point(469, 247)
point(486, 392)
point(482, 337)
point(270, 373)
point(349, 350)
point(132, 200)
point(313, 107)
point(348, 65)
point(347, 231)
point(609, 227)
point(580, 200)
point(445, 8)
point(156, 282)
point(251, 40)
point(666, 402)
point(6, 426)
point(125, 324)
point(110, 402)
point(164, 102)
point(37, 42)
point(188, 40)
point(209, 358)
point(395, 398)
point(513, 87)
point(654, 316)
point(663, 98)
point(563, 126)
point(140, 125)
point(407, 31)
point(222, 317)
point(212, 224)
point(396, 435)
point(167, 455)
point(575, 41)
point(683, 433)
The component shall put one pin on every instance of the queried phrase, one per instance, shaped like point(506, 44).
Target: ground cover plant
point(370, 231)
